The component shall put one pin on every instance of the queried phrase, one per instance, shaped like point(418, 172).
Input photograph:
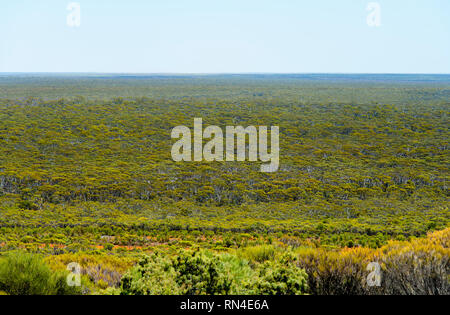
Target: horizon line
point(224, 73)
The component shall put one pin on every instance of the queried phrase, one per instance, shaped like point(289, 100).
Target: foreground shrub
point(188, 273)
point(240, 272)
point(203, 272)
point(199, 273)
point(26, 274)
point(421, 266)
point(101, 270)
point(336, 273)
point(280, 278)
point(153, 275)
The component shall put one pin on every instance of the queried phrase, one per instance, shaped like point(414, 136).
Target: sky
point(226, 36)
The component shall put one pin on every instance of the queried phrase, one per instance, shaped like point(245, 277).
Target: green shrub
point(280, 277)
point(26, 274)
point(240, 272)
point(152, 275)
point(258, 254)
point(203, 272)
point(188, 273)
point(199, 273)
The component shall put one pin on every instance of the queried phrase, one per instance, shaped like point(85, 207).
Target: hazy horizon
point(226, 73)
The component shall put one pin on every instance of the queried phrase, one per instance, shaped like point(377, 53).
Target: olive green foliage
point(259, 254)
point(360, 163)
point(281, 277)
point(186, 273)
point(198, 273)
point(153, 275)
point(203, 272)
point(86, 175)
point(27, 274)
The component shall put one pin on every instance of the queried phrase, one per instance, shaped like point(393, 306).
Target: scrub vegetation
point(86, 176)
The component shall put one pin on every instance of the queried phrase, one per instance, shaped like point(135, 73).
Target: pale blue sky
point(210, 36)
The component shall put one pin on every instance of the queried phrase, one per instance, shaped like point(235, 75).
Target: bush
point(153, 275)
point(203, 272)
point(259, 253)
point(421, 266)
point(197, 272)
point(26, 274)
point(280, 278)
point(241, 273)
point(336, 273)
point(96, 268)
